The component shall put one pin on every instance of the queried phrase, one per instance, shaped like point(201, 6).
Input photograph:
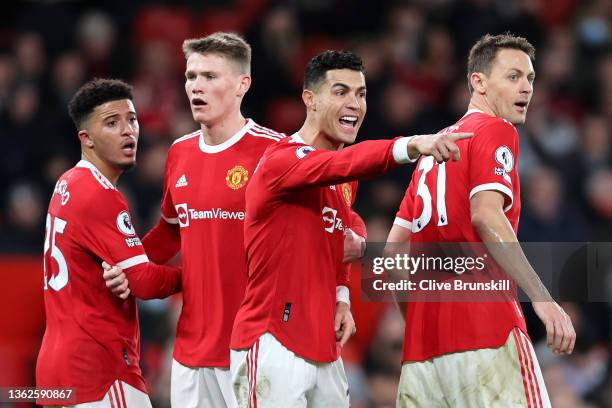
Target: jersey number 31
point(421, 222)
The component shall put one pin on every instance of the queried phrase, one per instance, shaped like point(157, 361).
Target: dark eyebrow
point(346, 87)
point(521, 72)
point(341, 85)
point(110, 116)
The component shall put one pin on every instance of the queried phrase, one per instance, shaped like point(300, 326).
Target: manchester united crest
point(347, 193)
point(237, 177)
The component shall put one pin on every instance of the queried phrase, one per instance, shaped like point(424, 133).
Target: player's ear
point(478, 80)
point(85, 139)
point(243, 87)
point(309, 99)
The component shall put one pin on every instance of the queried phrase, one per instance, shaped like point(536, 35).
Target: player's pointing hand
point(116, 280)
point(441, 146)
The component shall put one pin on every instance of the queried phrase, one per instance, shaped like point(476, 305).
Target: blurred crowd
point(415, 54)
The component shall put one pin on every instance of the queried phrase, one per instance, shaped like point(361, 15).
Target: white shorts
point(268, 375)
point(119, 395)
point(200, 387)
point(508, 376)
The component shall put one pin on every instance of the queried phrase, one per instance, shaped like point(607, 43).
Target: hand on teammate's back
point(441, 146)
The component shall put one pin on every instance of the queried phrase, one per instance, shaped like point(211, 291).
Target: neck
point(313, 135)
point(480, 103)
point(110, 172)
point(218, 133)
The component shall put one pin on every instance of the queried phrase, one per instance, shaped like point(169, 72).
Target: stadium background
point(415, 54)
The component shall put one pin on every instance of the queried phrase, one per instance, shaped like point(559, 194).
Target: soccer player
point(91, 341)
point(285, 351)
point(203, 212)
point(478, 354)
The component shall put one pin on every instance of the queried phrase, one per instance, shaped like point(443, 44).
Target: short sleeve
point(404, 215)
point(492, 162)
point(108, 231)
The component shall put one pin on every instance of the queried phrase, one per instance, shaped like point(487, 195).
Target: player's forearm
point(496, 233)
point(362, 160)
point(398, 242)
point(391, 250)
point(163, 242)
point(151, 281)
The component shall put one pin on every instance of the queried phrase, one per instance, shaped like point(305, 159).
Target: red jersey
point(296, 216)
point(91, 337)
point(204, 188)
point(436, 208)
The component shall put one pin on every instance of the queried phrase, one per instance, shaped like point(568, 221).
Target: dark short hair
point(95, 93)
point(326, 61)
point(485, 50)
point(229, 45)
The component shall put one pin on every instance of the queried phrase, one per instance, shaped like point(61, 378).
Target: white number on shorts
point(55, 226)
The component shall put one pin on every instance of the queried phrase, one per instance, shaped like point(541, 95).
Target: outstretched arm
point(299, 166)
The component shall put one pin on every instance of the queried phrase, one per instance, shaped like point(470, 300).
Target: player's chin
point(519, 119)
point(128, 164)
point(199, 116)
point(347, 136)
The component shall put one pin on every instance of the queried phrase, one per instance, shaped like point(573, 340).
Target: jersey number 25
point(55, 226)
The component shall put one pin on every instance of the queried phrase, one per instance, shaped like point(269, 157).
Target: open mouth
point(129, 147)
point(521, 105)
point(348, 121)
point(198, 102)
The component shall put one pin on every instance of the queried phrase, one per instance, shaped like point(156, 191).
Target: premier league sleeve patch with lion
point(504, 157)
point(124, 224)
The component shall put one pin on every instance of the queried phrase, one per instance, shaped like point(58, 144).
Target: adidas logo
point(181, 182)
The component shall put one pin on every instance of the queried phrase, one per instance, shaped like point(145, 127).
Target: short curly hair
point(327, 61)
point(95, 93)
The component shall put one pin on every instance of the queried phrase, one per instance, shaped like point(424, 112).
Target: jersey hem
point(431, 356)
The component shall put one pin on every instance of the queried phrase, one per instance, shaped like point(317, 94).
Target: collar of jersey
point(101, 178)
point(228, 143)
point(296, 138)
point(470, 111)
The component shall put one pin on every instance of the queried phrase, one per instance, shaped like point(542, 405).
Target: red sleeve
point(357, 224)
point(343, 275)
point(404, 215)
point(291, 166)
point(110, 235)
point(108, 231)
point(163, 242)
point(492, 151)
point(168, 211)
point(150, 281)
